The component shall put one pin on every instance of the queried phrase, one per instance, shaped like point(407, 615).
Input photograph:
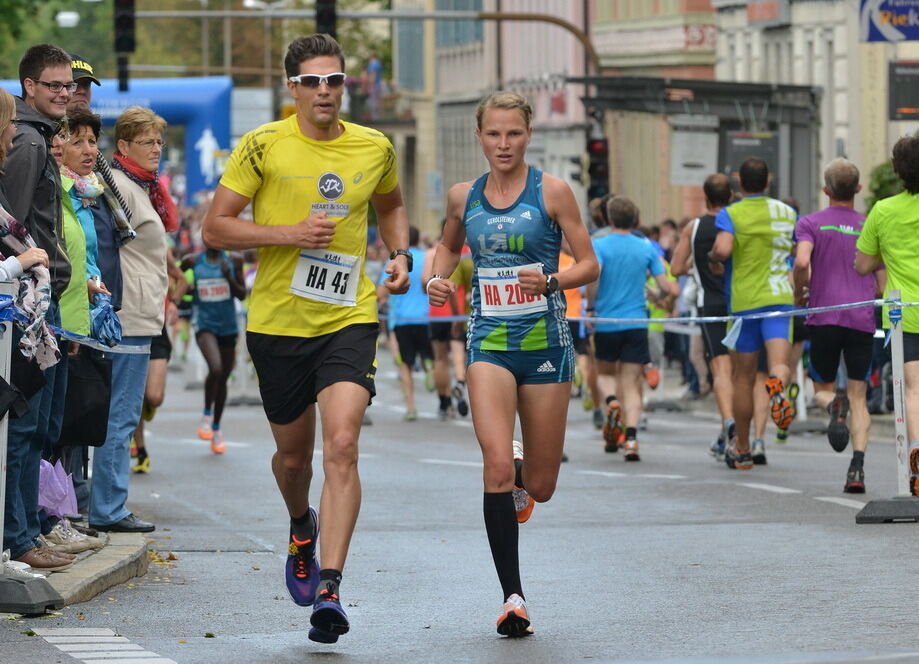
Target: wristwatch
point(403, 252)
point(551, 284)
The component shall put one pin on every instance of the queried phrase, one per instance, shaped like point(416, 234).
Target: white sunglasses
point(335, 80)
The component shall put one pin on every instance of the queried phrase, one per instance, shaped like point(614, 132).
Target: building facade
point(662, 38)
point(818, 43)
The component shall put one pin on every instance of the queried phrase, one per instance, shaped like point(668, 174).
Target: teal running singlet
point(503, 242)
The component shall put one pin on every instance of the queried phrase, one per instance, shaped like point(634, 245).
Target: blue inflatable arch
point(200, 104)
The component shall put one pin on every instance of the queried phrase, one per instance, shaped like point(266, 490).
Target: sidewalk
point(93, 572)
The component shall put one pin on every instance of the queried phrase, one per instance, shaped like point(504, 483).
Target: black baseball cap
point(82, 69)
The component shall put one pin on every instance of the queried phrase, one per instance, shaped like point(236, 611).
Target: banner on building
point(889, 20)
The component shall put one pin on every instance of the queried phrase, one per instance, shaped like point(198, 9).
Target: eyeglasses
point(57, 86)
point(150, 144)
point(313, 80)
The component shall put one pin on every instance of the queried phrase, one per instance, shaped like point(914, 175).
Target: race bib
point(500, 293)
point(213, 290)
point(327, 276)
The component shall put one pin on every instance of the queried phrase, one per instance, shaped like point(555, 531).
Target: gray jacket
point(32, 183)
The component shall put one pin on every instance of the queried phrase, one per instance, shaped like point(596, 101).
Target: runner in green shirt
point(891, 235)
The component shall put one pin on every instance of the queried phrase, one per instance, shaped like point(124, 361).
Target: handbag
point(89, 391)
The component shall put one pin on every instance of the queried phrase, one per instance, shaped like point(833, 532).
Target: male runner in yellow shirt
point(313, 320)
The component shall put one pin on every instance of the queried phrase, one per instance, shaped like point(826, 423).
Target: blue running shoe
point(329, 618)
point(716, 449)
point(302, 573)
point(321, 636)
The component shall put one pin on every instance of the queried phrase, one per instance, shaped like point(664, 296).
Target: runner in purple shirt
point(824, 276)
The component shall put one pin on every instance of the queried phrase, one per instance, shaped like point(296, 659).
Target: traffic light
point(326, 17)
point(597, 168)
point(125, 39)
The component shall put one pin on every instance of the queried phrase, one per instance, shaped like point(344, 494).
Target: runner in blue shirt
point(621, 349)
point(408, 314)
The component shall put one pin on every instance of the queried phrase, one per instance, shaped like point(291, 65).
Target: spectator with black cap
point(84, 77)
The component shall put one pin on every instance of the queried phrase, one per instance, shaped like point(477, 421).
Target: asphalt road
point(673, 559)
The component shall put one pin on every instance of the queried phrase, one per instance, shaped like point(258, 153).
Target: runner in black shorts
point(312, 326)
point(691, 255)
point(825, 276)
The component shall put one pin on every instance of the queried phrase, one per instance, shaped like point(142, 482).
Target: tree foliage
point(178, 42)
point(882, 183)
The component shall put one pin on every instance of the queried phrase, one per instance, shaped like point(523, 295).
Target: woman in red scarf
point(139, 147)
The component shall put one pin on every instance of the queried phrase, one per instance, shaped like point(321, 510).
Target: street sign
point(889, 20)
point(903, 90)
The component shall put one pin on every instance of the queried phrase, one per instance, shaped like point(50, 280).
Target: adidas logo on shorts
point(545, 367)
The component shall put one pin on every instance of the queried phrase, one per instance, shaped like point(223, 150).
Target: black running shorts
point(713, 333)
point(828, 342)
point(581, 343)
point(623, 346)
point(160, 346)
point(223, 340)
point(911, 346)
point(447, 332)
point(293, 370)
point(414, 342)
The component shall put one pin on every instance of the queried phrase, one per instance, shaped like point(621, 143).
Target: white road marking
point(95, 645)
point(451, 462)
point(649, 476)
point(845, 502)
point(768, 487)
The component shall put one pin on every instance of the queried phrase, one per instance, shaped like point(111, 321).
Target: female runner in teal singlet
point(520, 351)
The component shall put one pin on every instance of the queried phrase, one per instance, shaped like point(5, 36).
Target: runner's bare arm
point(223, 229)
point(865, 263)
point(681, 262)
point(724, 246)
point(393, 221)
point(563, 208)
point(448, 250)
point(802, 272)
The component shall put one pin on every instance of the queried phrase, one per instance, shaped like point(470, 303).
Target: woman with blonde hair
point(520, 350)
point(139, 147)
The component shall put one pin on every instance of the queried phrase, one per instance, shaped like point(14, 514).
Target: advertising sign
point(889, 20)
point(741, 145)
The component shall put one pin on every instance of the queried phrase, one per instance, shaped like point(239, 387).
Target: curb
point(123, 558)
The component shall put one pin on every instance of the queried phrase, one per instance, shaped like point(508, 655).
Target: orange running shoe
point(217, 446)
point(523, 502)
point(204, 429)
point(652, 376)
point(783, 411)
point(613, 431)
point(514, 620)
point(914, 470)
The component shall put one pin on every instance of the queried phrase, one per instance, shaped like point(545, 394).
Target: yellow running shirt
point(288, 176)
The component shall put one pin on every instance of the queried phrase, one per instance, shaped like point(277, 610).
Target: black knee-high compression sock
point(302, 526)
point(502, 528)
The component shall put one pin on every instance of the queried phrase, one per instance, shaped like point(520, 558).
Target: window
point(411, 55)
point(454, 33)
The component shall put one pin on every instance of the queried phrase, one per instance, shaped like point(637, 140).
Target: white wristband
point(433, 278)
